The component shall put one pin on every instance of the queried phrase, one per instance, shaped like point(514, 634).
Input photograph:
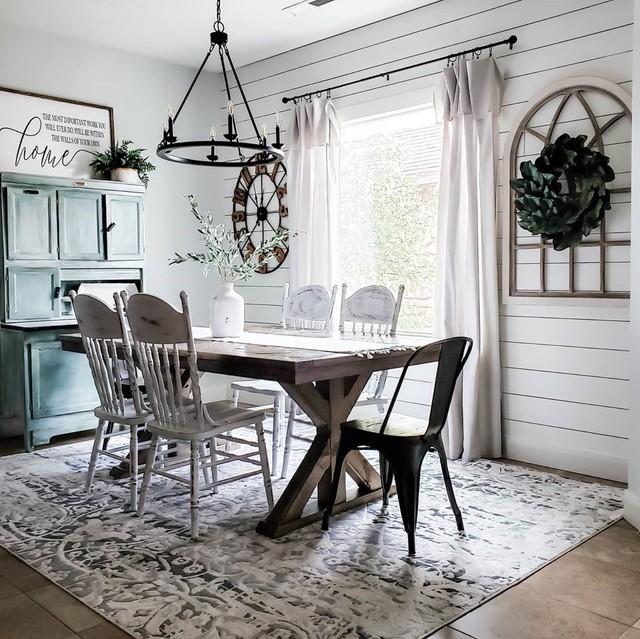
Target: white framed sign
point(44, 135)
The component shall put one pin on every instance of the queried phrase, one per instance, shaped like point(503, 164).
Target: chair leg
point(343, 450)
point(213, 443)
point(234, 397)
point(439, 448)
point(105, 443)
point(133, 468)
point(151, 460)
point(195, 488)
point(277, 415)
point(204, 460)
point(408, 484)
point(97, 442)
point(291, 422)
point(264, 460)
point(386, 475)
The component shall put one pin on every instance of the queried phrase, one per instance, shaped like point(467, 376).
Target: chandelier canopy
point(230, 151)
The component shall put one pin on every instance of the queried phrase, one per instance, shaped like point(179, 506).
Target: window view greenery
point(390, 167)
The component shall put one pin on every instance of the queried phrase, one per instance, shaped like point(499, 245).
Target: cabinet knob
point(31, 192)
point(80, 183)
point(56, 292)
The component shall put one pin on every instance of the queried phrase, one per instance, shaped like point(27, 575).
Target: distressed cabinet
point(57, 233)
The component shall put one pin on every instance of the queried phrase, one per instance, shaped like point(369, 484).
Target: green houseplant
point(115, 161)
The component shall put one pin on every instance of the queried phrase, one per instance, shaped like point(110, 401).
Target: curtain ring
point(328, 94)
point(307, 97)
point(477, 52)
point(491, 52)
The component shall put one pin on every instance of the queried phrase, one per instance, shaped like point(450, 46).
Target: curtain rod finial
point(512, 40)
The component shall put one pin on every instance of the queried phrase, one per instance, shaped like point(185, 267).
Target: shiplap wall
point(565, 370)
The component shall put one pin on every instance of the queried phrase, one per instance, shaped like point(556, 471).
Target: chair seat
point(224, 417)
point(130, 416)
point(260, 386)
point(398, 426)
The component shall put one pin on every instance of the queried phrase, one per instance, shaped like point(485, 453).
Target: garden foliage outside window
point(389, 174)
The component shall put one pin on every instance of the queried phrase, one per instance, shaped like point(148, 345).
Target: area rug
point(355, 581)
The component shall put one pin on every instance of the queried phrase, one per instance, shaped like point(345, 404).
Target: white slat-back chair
point(307, 308)
point(103, 332)
point(159, 332)
point(371, 310)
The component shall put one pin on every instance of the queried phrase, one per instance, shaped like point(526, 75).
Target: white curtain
point(466, 301)
point(313, 193)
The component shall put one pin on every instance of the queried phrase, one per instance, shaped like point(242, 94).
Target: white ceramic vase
point(227, 312)
point(130, 176)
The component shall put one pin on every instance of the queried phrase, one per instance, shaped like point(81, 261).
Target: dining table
point(324, 373)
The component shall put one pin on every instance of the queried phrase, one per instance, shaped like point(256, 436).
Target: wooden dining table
point(325, 384)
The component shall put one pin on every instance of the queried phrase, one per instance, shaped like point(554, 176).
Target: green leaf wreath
point(562, 196)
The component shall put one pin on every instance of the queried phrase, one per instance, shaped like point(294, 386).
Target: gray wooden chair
point(371, 310)
point(308, 308)
point(403, 441)
point(103, 331)
point(159, 332)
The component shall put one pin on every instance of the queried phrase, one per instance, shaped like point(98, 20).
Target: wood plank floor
point(592, 592)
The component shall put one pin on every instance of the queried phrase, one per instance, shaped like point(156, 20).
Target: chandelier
point(229, 151)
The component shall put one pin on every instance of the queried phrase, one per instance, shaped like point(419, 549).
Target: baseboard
point(632, 508)
point(585, 462)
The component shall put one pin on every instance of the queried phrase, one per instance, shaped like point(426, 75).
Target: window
point(389, 173)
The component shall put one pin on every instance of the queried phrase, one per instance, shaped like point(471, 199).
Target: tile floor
point(592, 592)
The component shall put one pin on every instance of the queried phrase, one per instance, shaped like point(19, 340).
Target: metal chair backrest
point(371, 310)
point(308, 307)
point(103, 332)
point(159, 333)
point(450, 355)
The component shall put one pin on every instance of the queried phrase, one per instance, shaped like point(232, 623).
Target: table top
point(289, 364)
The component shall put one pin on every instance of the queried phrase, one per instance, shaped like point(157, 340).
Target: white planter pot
point(130, 176)
point(227, 313)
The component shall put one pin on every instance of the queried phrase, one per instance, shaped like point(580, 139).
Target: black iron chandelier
point(233, 152)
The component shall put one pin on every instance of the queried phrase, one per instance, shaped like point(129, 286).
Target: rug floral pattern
point(354, 581)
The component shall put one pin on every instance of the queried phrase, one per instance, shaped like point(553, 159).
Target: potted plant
point(123, 164)
point(223, 254)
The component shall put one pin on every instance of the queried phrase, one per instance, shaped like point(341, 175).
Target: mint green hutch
point(56, 234)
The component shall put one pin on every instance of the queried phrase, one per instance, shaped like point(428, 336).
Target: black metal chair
point(402, 441)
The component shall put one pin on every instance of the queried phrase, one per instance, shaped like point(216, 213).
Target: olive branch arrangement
point(222, 250)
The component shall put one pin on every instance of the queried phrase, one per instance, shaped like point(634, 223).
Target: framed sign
point(44, 135)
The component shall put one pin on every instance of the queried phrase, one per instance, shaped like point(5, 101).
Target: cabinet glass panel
point(33, 293)
point(80, 218)
point(31, 224)
point(125, 236)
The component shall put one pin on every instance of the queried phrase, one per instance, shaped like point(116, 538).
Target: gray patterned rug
point(354, 581)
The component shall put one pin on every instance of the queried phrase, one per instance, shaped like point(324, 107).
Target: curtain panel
point(466, 298)
point(313, 193)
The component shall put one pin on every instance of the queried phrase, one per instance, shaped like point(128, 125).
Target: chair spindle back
point(309, 307)
point(371, 310)
point(159, 333)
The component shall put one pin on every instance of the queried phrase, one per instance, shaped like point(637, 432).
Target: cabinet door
point(33, 293)
point(31, 224)
point(61, 382)
point(80, 225)
point(125, 227)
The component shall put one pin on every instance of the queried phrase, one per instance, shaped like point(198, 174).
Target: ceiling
point(178, 30)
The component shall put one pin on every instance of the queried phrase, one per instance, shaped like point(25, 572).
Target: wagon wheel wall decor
point(598, 267)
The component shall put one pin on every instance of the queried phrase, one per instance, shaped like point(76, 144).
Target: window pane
point(390, 167)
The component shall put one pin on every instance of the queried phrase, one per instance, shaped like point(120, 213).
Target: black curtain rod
point(511, 40)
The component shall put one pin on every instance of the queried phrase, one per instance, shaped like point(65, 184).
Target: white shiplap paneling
point(565, 369)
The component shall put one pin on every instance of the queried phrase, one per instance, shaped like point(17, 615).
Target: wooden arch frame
point(566, 89)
